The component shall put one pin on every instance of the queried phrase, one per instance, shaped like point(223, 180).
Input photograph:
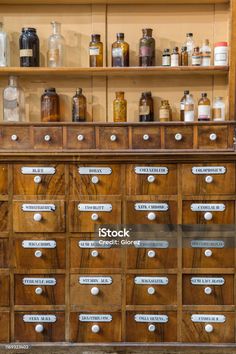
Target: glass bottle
point(175, 58)
point(29, 47)
point(184, 56)
point(165, 114)
point(166, 60)
point(120, 51)
point(13, 102)
point(56, 47)
point(218, 111)
point(206, 53)
point(147, 48)
point(79, 106)
point(190, 45)
point(189, 108)
point(204, 108)
point(120, 108)
point(182, 105)
point(4, 48)
point(196, 57)
point(146, 110)
point(50, 106)
point(95, 51)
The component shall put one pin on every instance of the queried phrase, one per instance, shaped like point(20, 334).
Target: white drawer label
point(38, 170)
point(92, 244)
point(39, 318)
point(151, 318)
point(151, 244)
point(208, 318)
point(95, 170)
point(151, 280)
point(39, 281)
point(39, 244)
point(207, 207)
point(95, 207)
point(207, 281)
point(145, 170)
point(207, 244)
point(38, 207)
point(95, 318)
point(205, 170)
point(151, 206)
point(95, 280)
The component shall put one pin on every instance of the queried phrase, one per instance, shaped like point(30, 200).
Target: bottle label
point(204, 112)
point(217, 113)
point(117, 52)
point(206, 60)
point(189, 107)
point(94, 51)
point(181, 106)
point(221, 57)
point(53, 55)
point(164, 113)
point(10, 104)
point(196, 60)
point(166, 60)
point(145, 51)
point(144, 110)
point(189, 112)
point(26, 53)
point(175, 60)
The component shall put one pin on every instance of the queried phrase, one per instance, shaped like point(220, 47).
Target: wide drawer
point(146, 138)
point(15, 138)
point(213, 137)
point(3, 179)
point(80, 138)
point(113, 138)
point(5, 326)
point(179, 137)
point(48, 138)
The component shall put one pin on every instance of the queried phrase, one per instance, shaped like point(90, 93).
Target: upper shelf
point(109, 2)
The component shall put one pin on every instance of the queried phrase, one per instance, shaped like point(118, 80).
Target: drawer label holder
point(151, 280)
point(39, 244)
point(207, 207)
point(151, 318)
point(207, 244)
point(95, 170)
point(39, 318)
point(207, 281)
point(38, 170)
point(38, 207)
point(39, 281)
point(95, 280)
point(151, 244)
point(146, 170)
point(84, 317)
point(92, 244)
point(151, 206)
point(95, 207)
point(208, 318)
point(205, 170)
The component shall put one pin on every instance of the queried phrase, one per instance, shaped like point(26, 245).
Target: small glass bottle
point(218, 111)
point(189, 108)
point(50, 106)
point(166, 60)
point(175, 58)
point(120, 52)
point(146, 110)
point(29, 48)
point(120, 108)
point(196, 57)
point(204, 108)
point(184, 56)
point(190, 45)
point(95, 51)
point(56, 47)
point(182, 105)
point(13, 102)
point(4, 48)
point(79, 106)
point(206, 53)
point(147, 48)
point(165, 114)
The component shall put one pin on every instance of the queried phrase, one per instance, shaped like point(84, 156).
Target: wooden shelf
point(109, 2)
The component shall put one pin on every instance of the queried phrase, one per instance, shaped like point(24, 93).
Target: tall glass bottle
point(182, 104)
point(56, 47)
point(189, 108)
point(79, 106)
point(120, 51)
point(204, 108)
point(96, 51)
point(147, 48)
point(13, 102)
point(50, 106)
point(4, 47)
point(190, 46)
point(205, 51)
point(120, 107)
point(146, 111)
point(29, 47)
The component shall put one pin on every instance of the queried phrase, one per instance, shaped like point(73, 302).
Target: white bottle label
point(196, 60)
point(204, 112)
point(189, 112)
point(206, 61)
point(26, 53)
point(117, 52)
point(94, 51)
point(174, 59)
point(166, 61)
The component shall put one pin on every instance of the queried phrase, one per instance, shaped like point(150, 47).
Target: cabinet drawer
point(208, 212)
point(151, 179)
point(87, 327)
point(39, 179)
point(81, 138)
point(208, 289)
point(95, 180)
point(151, 326)
point(39, 326)
point(3, 179)
point(5, 290)
point(15, 138)
point(86, 253)
point(179, 137)
point(202, 327)
point(39, 289)
point(40, 253)
point(146, 138)
point(38, 216)
point(48, 138)
point(86, 215)
point(213, 137)
point(216, 178)
point(98, 290)
point(113, 138)
point(151, 289)
point(4, 253)
point(5, 326)
point(4, 224)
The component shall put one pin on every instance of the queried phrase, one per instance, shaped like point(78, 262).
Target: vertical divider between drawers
point(179, 256)
point(67, 235)
point(123, 255)
point(11, 249)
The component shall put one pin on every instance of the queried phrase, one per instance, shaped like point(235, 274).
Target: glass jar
point(95, 51)
point(182, 104)
point(196, 57)
point(56, 47)
point(189, 108)
point(29, 47)
point(146, 110)
point(165, 111)
point(13, 102)
point(175, 58)
point(120, 52)
point(120, 107)
point(206, 53)
point(147, 48)
point(221, 54)
point(50, 106)
point(184, 57)
point(218, 111)
point(79, 106)
point(4, 48)
point(204, 108)
point(166, 60)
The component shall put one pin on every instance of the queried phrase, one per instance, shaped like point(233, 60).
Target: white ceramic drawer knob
point(38, 291)
point(14, 137)
point(39, 328)
point(208, 216)
point(151, 328)
point(151, 254)
point(37, 217)
point(94, 217)
point(94, 291)
point(146, 137)
point(94, 253)
point(208, 253)
point(47, 138)
point(94, 179)
point(151, 290)
point(178, 137)
point(208, 290)
point(151, 179)
point(151, 216)
point(213, 137)
point(80, 137)
point(209, 179)
point(113, 137)
point(37, 179)
point(209, 328)
point(38, 254)
point(95, 329)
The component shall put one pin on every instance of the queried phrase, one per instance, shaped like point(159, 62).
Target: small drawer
point(146, 137)
point(5, 326)
point(208, 327)
point(3, 179)
point(4, 253)
point(113, 138)
point(15, 138)
point(151, 326)
point(179, 137)
point(86, 215)
point(218, 178)
point(39, 289)
point(48, 138)
point(80, 138)
point(39, 327)
point(208, 212)
point(151, 289)
point(98, 290)
point(151, 212)
point(38, 216)
point(95, 327)
point(40, 253)
point(5, 289)
point(39, 179)
point(213, 137)
point(4, 224)
point(151, 179)
point(86, 253)
point(208, 289)
point(95, 180)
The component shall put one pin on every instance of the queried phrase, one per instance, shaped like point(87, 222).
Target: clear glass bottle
point(189, 109)
point(218, 111)
point(4, 48)
point(79, 106)
point(204, 108)
point(120, 51)
point(205, 51)
point(120, 107)
point(146, 110)
point(182, 105)
point(184, 57)
point(190, 46)
point(56, 47)
point(29, 48)
point(13, 102)
point(166, 60)
point(50, 106)
point(175, 57)
point(165, 114)
point(147, 48)
point(95, 51)
point(196, 57)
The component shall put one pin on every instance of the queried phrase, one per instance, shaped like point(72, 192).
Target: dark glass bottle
point(29, 48)
point(96, 51)
point(146, 111)
point(120, 51)
point(50, 106)
point(147, 48)
point(79, 106)
point(120, 107)
point(184, 56)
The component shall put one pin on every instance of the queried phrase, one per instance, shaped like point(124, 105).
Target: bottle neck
point(147, 33)
point(12, 81)
point(56, 28)
point(120, 96)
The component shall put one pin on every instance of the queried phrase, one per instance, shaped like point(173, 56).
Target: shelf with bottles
point(108, 2)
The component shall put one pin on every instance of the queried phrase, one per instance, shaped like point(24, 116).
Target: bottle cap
point(29, 29)
point(50, 89)
point(79, 91)
point(184, 49)
point(196, 49)
point(204, 94)
point(206, 41)
point(147, 93)
point(176, 49)
point(96, 36)
point(166, 50)
point(221, 44)
point(189, 34)
point(120, 35)
point(145, 30)
point(186, 92)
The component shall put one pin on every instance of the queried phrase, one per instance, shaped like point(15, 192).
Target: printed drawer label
point(151, 244)
point(151, 280)
point(38, 170)
point(38, 207)
point(39, 318)
point(39, 244)
point(95, 280)
point(207, 281)
point(151, 318)
point(92, 244)
point(95, 207)
point(151, 206)
point(145, 170)
point(207, 207)
point(205, 170)
point(95, 318)
point(95, 170)
point(39, 281)
point(208, 318)
point(207, 244)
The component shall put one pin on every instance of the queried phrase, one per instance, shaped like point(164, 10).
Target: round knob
point(113, 137)
point(151, 254)
point(151, 290)
point(213, 137)
point(151, 179)
point(94, 253)
point(37, 179)
point(37, 217)
point(209, 328)
point(178, 137)
point(47, 138)
point(94, 291)
point(208, 253)
point(94, 179)
point(151, 216)
point(208, 290)
point(95, 328)
point(151, 328)
point(209, 179)
point(38, 254)
point(38, 291)
point(208, 216)
point(80, 137)
point(14, 137)
point(94, 217)
point(39, 328)
point(146, 137)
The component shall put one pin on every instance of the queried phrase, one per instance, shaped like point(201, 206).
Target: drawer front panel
point(48, 138)
point(3, 179)
point(4, 225)
point(4, 253)
point(213, 137)
point(80, 138)
point(113, 138)
point(146, 138)
point(15, 138)
point(5, 326)
point(178, 138)
point(5, 290)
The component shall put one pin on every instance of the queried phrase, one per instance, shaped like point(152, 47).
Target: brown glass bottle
point(147, 48)
point(146, 111)
point(120, 51)
point(165, 114)
point(184, 57)
point(204, 108)
point(79, 106)
point(50, 106)
point(120, 108)
point(96, 51)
